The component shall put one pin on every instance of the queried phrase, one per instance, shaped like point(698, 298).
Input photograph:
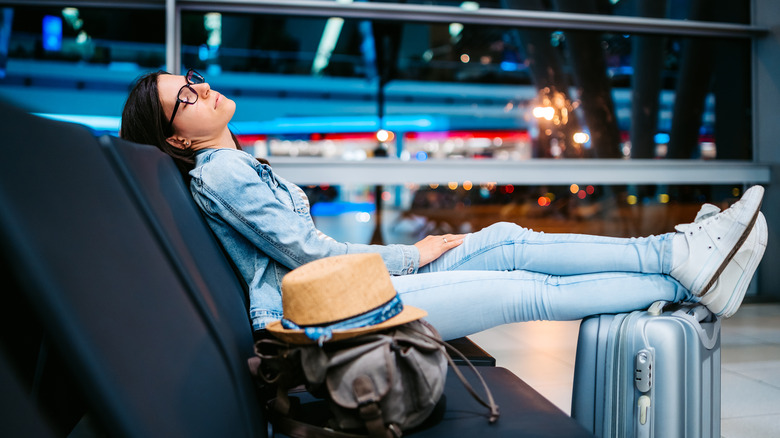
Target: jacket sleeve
point(245, 198)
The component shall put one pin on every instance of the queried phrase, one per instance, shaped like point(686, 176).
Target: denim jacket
point(264, 224)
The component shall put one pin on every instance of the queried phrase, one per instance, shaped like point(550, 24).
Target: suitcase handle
point(695, 315)
point(698, 314)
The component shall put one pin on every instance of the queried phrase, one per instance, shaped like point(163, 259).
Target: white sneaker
point(701, 250)
point(725, 296)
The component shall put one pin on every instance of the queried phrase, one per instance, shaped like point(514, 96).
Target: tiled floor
point(542, 354)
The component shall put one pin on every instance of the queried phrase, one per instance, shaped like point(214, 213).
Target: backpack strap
point(370, 412)
point(490, 403)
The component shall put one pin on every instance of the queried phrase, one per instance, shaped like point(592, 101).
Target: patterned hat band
point(323, 333)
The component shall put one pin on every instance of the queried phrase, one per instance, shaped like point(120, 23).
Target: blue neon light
point(335, 124)
point(662, 138)
point(337, 208)
point(52, 33)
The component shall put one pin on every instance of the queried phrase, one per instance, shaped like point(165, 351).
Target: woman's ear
point(178, 142)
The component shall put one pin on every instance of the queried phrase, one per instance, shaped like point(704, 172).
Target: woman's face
point(205, 120)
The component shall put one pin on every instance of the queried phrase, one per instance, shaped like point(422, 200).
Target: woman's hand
point(432, 247)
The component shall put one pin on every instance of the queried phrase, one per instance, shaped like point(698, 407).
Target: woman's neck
point(224, 141)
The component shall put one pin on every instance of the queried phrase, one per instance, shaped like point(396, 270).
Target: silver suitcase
point(653, 373)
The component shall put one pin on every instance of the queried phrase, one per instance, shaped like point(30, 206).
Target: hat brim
point(409, 314)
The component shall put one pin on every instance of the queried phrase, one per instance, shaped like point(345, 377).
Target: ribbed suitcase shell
point(649, 373)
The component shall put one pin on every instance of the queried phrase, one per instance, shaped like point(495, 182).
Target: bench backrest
point(154, 356)
point(157, 186)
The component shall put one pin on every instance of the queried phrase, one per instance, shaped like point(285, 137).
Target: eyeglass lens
point(187, 94)
point(194, 77)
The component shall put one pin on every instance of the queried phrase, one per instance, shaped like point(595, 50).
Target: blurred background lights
point(52, 33)
point(467, 185)
point(574, 188)
point(455, 30)
point(662, 138)
point(213, 24)
point(362, 217)
point(663, 198)
point(544, 112)
point(631, 199)
point(452, 185)
point(580, 137)
point(384, 135)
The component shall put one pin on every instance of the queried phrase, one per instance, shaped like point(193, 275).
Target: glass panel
point(411, 212)
point(356, 89)
point(215, 42)
point(78, 62)
point(88, 35)
point(729, 11)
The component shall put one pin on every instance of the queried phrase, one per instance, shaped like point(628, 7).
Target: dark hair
point(144, 121)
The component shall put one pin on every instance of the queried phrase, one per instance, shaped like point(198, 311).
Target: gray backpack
point(378, 384)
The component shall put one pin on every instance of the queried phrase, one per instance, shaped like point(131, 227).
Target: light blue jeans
point(506, 273)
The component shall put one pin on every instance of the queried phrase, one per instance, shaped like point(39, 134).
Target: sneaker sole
point(735, 300)
point(733, 251)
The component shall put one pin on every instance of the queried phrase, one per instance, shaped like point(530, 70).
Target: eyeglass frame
point(199, 79)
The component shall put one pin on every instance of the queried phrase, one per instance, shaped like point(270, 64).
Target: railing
point(530, 172)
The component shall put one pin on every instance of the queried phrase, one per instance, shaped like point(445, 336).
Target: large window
point(356, 88)
point(454, 90)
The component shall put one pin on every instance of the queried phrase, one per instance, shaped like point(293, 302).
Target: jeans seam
point(480, 251)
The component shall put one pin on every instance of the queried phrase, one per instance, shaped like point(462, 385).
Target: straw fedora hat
point(339, 297)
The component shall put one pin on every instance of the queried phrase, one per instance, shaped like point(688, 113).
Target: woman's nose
point(203, 89)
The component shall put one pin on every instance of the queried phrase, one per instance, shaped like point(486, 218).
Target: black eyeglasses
point(187, 94)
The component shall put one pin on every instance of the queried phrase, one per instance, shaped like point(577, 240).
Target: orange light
point(384, 135)
point(544, 112)
point(581, 137)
